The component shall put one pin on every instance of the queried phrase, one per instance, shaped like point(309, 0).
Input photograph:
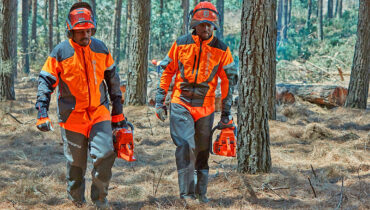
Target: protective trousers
point(192, 139)
point(98, 142)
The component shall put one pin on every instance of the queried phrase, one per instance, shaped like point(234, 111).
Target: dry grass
point(335, 142)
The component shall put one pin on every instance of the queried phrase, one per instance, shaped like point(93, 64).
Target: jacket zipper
point(94, 67)
point(195, 60)
point(196, 74)
point(87, 79)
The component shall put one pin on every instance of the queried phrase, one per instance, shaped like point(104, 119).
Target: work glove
point(43, 122)
point(226, 121)
point(161, 112)
point(118, 121)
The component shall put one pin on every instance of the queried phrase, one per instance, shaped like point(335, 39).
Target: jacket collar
point(77, 46)
point(197, 39)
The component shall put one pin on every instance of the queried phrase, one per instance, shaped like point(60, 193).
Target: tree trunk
point(330, 9)
point(57, 20)
point(195, 2)
point(93, 5)
point(117, 31)
point(270, 61)
point(25, 55)
point(161, 40)
point(253, 132)
point(285, 27)
point(45, 25)
point(220, 9)
point(185, 15)
point(51, 15)
point(320, 28)
point(33, 33)
point(340, 7)
point(138, 56)
point(290, 10)
point(309, 5)
point(8, 44)
point(326, 95)
point(336, 8)
point(128, 28)
point(279, 19)
point(359, 83)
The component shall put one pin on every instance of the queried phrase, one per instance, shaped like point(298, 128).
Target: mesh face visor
point(80, 18)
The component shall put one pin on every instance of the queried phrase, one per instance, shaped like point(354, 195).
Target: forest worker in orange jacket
point(83, 70)
point(197, 60)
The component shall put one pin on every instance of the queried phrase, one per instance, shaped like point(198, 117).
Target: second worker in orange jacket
point(196, 60)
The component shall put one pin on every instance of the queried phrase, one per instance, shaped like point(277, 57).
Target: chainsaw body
point(225, 144)
point(123, 141)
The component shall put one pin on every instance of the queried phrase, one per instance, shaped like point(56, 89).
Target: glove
point(226, 121)
point(118, 121)
point(44, 124)
point(161, 112)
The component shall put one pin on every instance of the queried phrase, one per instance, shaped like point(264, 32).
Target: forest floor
point(329, 146)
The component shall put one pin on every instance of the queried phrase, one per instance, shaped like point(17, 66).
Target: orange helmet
point(81, 17)
point(204, 12)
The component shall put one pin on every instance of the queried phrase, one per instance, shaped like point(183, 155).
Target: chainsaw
point(123, 141)
point(225, 144)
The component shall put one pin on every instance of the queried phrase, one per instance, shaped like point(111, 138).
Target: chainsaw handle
point(210, 138)
point(131, 126)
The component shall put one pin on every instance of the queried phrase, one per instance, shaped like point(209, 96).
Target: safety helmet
point(204, 12)
point(80, 16)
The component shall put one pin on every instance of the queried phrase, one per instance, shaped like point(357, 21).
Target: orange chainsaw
point(123, 141)
point(225, 144)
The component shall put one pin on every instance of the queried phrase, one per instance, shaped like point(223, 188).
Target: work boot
point(201, 185)
point(188, 201)
point(79, 204)
point(202, 198)
point(101, 204)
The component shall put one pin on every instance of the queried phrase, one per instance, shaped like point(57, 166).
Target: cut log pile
point(326, 95)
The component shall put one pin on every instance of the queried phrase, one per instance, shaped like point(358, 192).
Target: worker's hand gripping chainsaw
point(225, 144)
point(123, 140)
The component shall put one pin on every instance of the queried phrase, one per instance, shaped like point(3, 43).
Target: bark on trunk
point(33, 33)
point(330, 9)
point(320, 28)
point(128, 28)
point(185, 15)
point(25, 55)
point(285, 27)
point(309, 5)
point(326, 95)
point(8, 44)
point(270, 62)
point(46, 26)
point(359, 82)
point(290, 10)
point(253, 132)
point(51, 16)
point(93, 5)
point(220, 9)
point(117, 32)
point(279, 19)
point(138, 56)
point(340, 8)
point(57, 20)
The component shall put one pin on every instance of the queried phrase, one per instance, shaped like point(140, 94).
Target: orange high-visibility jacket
point(197, 66)
point(83, 75)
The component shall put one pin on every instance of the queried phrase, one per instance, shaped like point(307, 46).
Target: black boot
point(201, 185)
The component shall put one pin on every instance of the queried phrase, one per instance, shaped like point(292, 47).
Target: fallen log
point(326, 95)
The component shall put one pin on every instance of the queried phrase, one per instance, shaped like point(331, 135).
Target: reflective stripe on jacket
point(197, 66)
point(79, 72)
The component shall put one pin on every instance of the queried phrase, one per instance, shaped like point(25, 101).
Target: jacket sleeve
point(229, 78)
point(168, 66)
point(112, 80)
point(47, 81)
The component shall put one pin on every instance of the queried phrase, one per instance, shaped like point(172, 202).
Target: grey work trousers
point(99, 144)
point(192, 140)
